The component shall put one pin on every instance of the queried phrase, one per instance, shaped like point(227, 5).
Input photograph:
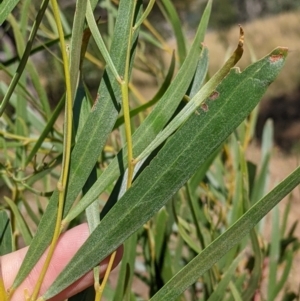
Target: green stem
point(62, 182)
point(126, 112)
point(126, 109)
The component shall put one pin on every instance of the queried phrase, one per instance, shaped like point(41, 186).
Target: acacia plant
point(166, 177)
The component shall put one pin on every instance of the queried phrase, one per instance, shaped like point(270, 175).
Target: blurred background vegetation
point(267, 23)
point(230, 12)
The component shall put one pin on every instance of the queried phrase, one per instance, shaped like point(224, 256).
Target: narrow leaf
point(274, 255)
point(5, 234)
point(6, 7)
point(221, 288)
point(127, 269)
point(22, 226)
point(171, 15)
point(200, 74)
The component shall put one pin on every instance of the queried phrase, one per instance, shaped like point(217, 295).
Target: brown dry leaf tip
point(242, 36)
point(204, 107)
point(214, 95)
point(276, 57)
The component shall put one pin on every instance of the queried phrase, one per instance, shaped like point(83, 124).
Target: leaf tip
point(278, 54)
point(242, 37)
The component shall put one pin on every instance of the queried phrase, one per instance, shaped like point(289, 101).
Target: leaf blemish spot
point(276, 57)
point(214, 95)
point(204, 107)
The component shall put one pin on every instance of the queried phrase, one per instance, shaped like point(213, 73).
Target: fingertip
point(67, 246)
point(88, 279)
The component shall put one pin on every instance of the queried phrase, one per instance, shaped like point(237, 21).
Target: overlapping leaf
point(91, 140)
point(156, 120)
point(181, 156)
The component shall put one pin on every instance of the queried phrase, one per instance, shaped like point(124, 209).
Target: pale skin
point(67, 246)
